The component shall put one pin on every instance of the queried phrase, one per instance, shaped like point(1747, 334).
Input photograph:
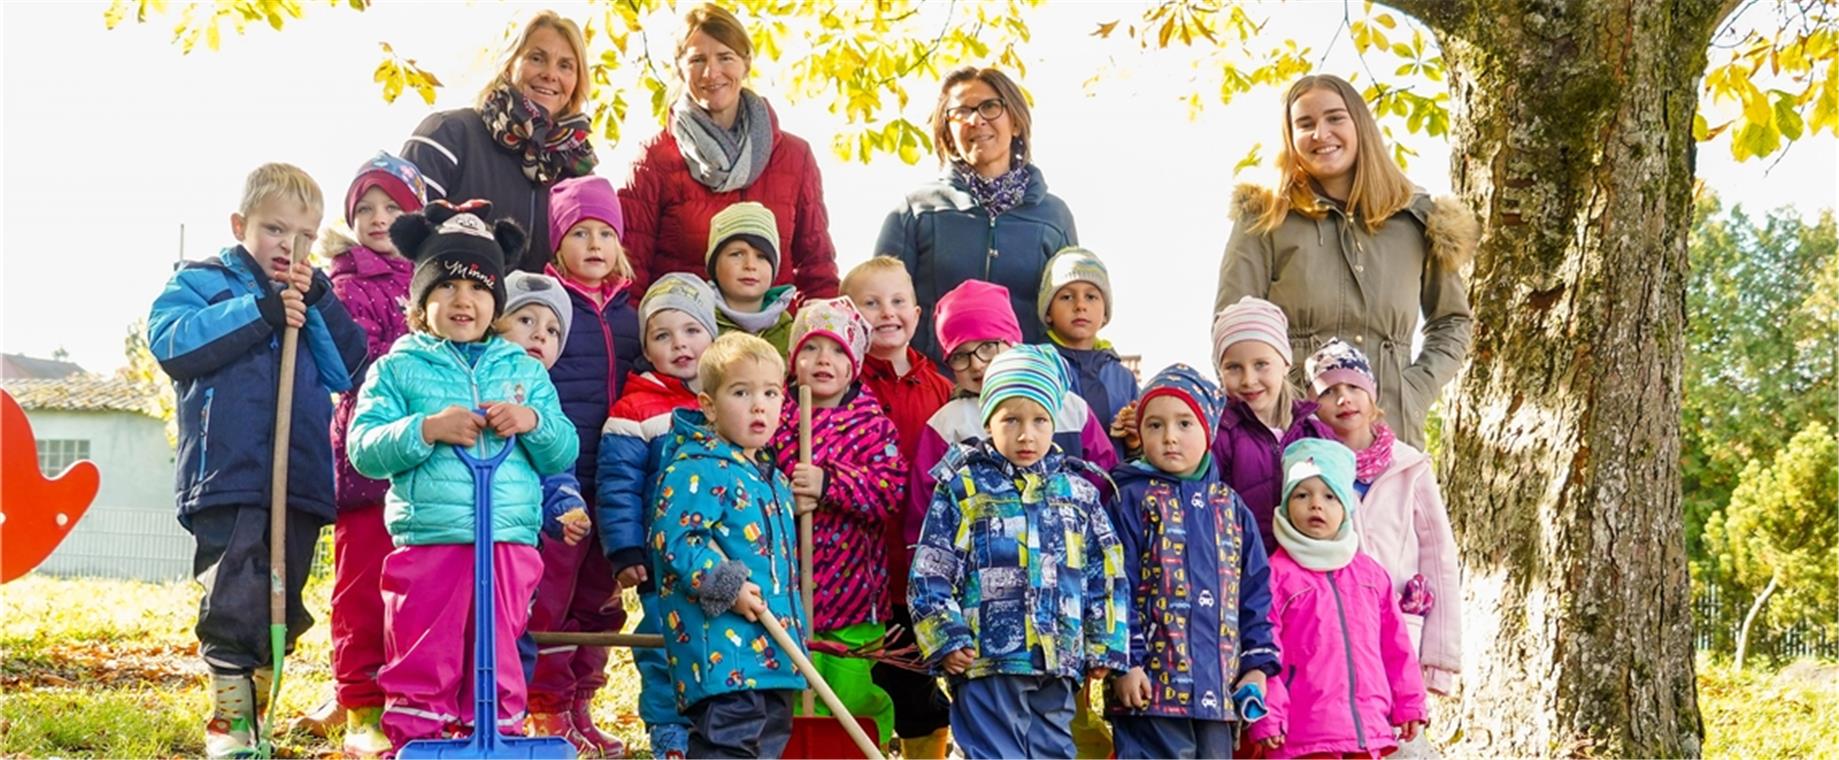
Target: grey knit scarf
point(724, 160)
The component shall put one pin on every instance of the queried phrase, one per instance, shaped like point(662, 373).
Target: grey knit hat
point(684, 293)
point(1072, 264)
point(524, 288)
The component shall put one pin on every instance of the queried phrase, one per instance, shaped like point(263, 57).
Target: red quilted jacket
point(668, 211)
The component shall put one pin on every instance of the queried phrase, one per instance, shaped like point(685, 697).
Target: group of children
point(1239, 567)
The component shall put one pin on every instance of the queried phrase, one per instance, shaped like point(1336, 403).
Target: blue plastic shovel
point(485, 741)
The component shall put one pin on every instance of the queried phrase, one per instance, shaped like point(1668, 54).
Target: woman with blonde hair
point(723, 146)
point(526, 132)
point(1349, 248)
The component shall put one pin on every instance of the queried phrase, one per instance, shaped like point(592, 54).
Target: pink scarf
point(1373, 460)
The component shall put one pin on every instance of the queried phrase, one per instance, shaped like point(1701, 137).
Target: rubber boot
point(262, 680)
point(364, 737)
point(560, 724)
point(1091, 734)
point(231, 729)
point(932, 746)
point(608, 745)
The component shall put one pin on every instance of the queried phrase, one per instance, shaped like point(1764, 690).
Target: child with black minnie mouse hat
point(453, 380)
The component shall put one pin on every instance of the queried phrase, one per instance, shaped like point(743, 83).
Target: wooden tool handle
point(803, 663)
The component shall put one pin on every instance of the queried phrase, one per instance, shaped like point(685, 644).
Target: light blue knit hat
point(1036, 373)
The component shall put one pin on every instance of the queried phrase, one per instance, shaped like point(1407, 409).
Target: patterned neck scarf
point(1373, 460)
point(550, 150)
point(996, 194)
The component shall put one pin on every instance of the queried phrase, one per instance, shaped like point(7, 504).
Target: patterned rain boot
point(929, 747)
point(364, 737)
point(262, 680)
point(231, 730)
point(560, 724)
point(608, 745)
point(670, 741)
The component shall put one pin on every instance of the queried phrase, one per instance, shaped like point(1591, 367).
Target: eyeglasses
point(990, 110)
point(985, 351)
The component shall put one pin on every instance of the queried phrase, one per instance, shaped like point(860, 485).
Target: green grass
point(1763, 712)
point(99, 668)
point(105, 668)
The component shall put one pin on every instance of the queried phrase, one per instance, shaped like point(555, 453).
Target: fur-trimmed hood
point(1450, 228)
point(334, 241)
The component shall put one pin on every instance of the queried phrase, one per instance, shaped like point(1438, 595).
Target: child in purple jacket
point(1264, 411)
point(372, 278)
point(1348, 683)
point(856, 479)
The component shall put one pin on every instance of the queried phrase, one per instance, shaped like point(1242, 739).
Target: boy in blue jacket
point(1200, 598)
point(216, 331)
point(1075, 303)
point(724, 550)
point(1015, 582)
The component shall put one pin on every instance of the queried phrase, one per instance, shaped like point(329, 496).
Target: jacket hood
point(334, 242)
point(699, 441)
point(1450, 229)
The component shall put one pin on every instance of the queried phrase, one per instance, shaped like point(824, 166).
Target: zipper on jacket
point(606, 337)
point(990, 260)
point(204, 431)
point(1347, 647)
point(472, 381)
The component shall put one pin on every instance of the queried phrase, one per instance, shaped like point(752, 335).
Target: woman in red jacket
point(723, 146)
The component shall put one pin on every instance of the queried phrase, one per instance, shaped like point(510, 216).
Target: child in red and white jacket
point(1403, 523)
point(911, 389)
point(677, 321)
point(1348, 682)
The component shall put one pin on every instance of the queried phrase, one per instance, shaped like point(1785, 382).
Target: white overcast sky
point(112, 140)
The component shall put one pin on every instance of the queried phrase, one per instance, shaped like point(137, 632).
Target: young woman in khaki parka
point(1350, 249)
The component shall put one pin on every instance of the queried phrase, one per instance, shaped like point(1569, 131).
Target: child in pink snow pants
point(453, 382)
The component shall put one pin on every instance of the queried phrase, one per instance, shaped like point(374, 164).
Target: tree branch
point(930, 49)
point(1441, 16)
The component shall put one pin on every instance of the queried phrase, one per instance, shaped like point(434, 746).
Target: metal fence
point(1715, 626)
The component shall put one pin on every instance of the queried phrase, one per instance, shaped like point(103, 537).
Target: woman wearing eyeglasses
point(723, 146)
point(988, 216)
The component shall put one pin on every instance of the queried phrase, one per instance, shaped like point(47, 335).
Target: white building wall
point(132, 529)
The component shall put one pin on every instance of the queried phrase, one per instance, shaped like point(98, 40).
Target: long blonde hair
point(570, 32)
point(1380, 189)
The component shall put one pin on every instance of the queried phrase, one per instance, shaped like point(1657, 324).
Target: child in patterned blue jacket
point(724, 549)
point(1200, 587)
point(1015, 581)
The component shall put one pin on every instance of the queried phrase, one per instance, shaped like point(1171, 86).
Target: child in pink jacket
point(1348, 683)
point(1402, 521)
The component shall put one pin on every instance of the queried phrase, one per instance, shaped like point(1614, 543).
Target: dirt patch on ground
point(1811, 673)
point(100, 665)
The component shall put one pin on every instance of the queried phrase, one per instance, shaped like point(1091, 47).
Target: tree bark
point(1572, 137)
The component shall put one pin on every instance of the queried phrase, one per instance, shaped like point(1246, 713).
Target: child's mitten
point(1417, 597)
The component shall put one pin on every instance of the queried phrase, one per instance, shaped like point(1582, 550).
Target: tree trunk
point(1743, 634)
point(1573, 139)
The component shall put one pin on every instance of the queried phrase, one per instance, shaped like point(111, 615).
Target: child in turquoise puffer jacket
point(453, 382)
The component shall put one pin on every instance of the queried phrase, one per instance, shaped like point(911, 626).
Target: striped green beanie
point(1036, 373)
point(748, 221)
